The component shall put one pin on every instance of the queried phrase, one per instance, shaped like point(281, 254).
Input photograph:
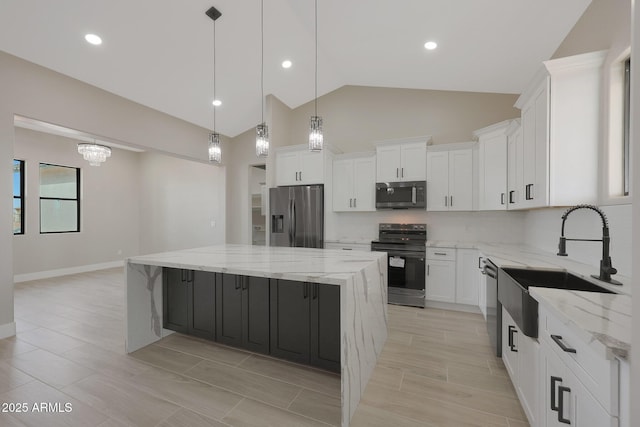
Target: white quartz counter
point(602, 320)
point(361, 276)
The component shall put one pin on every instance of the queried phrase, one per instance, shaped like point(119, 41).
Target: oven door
point(406, 277)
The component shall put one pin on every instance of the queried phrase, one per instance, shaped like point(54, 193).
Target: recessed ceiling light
point(217, 103)
point(430, 45)
point(93, 39)
point(286, 64)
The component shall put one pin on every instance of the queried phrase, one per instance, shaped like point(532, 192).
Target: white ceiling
point(159, 53)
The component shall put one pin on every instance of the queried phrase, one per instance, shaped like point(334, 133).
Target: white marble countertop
point(601, 320)
point(333, 267)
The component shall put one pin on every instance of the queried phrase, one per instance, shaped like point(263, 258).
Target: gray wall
point(109, 207)
point(36, 92)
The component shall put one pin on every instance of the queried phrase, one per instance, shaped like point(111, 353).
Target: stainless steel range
point(405, 248)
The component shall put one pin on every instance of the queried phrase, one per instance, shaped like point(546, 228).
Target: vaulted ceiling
point(159, 53)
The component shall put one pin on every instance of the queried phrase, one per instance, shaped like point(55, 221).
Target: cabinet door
point(461, 180)
point(325, 327)
point(255, 309)
point(437, 180)
point(343, 185)
point(510, 348)
point(175, 301)
point(229, 309)
point(514, 170)
point(493, 173)
point(311, 167)
point(528, 124)
point(364, 184)
point(552, 376)
point(467, 277)
point(290, 320)
point(441, 281)
point(413, 162)
point(388, 163)
point(287, 168)
point(202, 305)
point(528, 378)
point(540, 191)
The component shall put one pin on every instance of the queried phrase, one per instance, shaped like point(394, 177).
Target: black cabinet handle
point(428, 269)
point(440, 253)
point(238, 285)
point(402, 174)
point(315, 290)
point(527, 191)
point(305, 291)
point(512, 346)
point(245, 283)
point(561, 391)
point(511, 193)
point(554, 380)
point(446, 201)
point(479, 261)
point(502, 198)
point(558, 340)
point(397, 172)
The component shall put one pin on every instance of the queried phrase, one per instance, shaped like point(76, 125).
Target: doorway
point(258, 205)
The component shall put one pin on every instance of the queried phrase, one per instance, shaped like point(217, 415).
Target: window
point(18, 196)
point(59, 199)
point(627, 125)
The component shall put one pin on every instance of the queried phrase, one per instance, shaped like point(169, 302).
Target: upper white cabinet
point(560, 120)
point(492, 166)
point(296, 165)
point(354, 182)
point(402, 160)
point(515, 157)
point(450, 177)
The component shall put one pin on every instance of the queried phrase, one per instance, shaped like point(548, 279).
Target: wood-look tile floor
point(436, 369)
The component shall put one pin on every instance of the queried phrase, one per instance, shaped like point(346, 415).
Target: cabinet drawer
point(599, 375)
point(448, 254)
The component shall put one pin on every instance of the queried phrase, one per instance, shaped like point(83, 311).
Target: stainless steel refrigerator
point(297, 216)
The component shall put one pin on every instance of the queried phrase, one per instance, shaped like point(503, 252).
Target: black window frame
point(20, 197)
point(627, 127)
point(76, 199)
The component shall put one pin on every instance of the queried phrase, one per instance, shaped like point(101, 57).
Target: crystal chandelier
point(262, 130)
point(215, 152)
point(315, 127)
point(94, 153)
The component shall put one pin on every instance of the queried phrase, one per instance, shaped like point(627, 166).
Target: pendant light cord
point(262, 60)
point(214, 76)
point(316, 68)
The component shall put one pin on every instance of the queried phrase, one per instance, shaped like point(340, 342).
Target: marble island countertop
point(601, 320)
point(332, 267)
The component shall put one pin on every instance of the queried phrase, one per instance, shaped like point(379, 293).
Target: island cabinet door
point(255, 309)
point(290, 304)
point(229, 309)
point(325, 326)
point(202, 299)
point(175, 301)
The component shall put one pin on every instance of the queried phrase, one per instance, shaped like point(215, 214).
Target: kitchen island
point(360, 276)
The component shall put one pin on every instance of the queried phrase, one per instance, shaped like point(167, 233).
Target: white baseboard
point(65, 271)
point(7, 330)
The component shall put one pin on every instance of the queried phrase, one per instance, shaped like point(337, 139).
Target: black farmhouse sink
point(513, 292)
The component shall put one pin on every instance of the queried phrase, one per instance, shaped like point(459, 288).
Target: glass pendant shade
point(262, 140)
point(315, 134)
point(215, 153)
point(95, 154)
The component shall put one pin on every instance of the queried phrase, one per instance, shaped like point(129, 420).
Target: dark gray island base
point(281, 318)
point(325, 308)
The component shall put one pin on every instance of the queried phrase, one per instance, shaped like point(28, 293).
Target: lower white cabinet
point(520, 357)
point(452, 276)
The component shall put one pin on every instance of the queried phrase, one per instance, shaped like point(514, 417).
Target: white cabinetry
point(467, 277)
point(520, 357)
point(560, 119)
point(577, 384)
point(441, 275)
point(296, 165)
point(402, 160)
point(354, 183)
point(482, 286)
point(492, 166)
point(450, 178)
point(452, 276)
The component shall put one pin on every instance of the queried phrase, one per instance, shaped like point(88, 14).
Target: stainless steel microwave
point(401, 195)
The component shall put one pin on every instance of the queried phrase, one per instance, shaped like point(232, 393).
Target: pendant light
point(215, 153)
point(262, 130)
point(315, 128)
point(95, 154)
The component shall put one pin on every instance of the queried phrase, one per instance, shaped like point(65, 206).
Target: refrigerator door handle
point(293, 223)
point(290, 222)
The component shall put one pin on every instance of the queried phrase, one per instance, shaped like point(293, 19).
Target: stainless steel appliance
point(297, 216)
point(406, 251)
point(401, 195)
point(494, 308)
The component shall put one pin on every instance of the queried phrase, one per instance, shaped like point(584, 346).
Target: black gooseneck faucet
point(606, 269)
